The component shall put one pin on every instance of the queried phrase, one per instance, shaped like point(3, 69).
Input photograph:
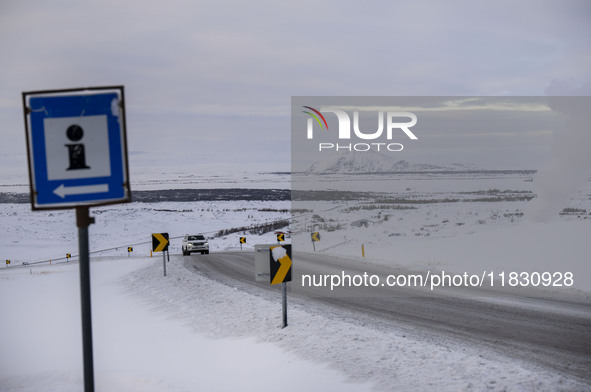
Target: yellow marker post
point(281, 274)
point(160, 243)
point(315, 236)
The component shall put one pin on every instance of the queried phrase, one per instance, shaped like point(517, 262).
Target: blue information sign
point(77, 147)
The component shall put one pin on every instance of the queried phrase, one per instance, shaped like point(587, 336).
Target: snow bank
point(138, 345)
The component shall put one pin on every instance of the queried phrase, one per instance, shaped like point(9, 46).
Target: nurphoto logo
point(395, 122)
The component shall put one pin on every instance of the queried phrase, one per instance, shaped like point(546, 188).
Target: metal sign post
point(77, 155)
point(83, 220)
point(280, 272)
point(160, 243)
point(284, 303)
point(272, 263)
point(315, 236)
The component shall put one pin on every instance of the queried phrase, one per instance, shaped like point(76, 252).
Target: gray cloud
point(184, 60)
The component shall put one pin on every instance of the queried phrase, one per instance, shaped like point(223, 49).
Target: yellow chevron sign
point(281, 237)
point(130, 249)
point(159, 242)
point(280, 264)
point(316, 236)
point(243, 240)
point(7, 262)
point(68, 255)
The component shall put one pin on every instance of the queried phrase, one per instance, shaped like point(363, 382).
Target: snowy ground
point(457, 223)
point(139, 344)
point(185, 332)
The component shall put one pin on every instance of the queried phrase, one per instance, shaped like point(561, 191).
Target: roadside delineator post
point(280, 272)
point(272, 263)
point(160, 243)
point(315, 236)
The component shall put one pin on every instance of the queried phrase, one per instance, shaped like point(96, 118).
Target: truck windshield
point(196, 238)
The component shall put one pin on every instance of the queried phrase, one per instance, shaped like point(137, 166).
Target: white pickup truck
point(195, 243)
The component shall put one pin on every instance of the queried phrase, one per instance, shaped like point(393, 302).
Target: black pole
point(83, 220)
point(284, 295)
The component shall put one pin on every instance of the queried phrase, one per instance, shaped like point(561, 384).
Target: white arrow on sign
point(62, 191)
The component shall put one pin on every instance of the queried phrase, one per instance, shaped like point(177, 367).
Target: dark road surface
point(551, 332)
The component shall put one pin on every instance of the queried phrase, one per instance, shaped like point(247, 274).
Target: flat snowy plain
point(186, 332)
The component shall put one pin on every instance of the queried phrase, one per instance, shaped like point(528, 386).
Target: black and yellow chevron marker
point(280, 259)
point(159, 242)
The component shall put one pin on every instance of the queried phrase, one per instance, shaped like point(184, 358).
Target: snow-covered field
point(49, 235)
point(185, 332)
point(141, 343)
point(467, 222)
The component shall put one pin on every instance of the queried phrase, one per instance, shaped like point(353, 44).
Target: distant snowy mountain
point(372, 162)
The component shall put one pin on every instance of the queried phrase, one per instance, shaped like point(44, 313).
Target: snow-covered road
point(553, 331)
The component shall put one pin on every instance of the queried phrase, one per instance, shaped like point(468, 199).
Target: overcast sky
point(211, 81)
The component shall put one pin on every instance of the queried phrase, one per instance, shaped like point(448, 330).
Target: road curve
point(550, 332)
